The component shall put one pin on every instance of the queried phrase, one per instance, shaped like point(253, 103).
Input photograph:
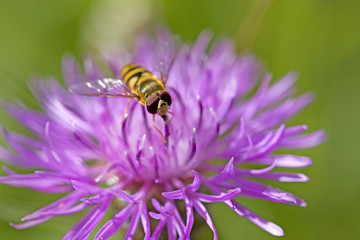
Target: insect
point(136, 83)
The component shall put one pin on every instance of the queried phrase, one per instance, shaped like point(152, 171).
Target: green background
point(320, 39)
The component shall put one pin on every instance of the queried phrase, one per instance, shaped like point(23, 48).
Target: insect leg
point(126, 110)
point(172, 116)
point(161, 133)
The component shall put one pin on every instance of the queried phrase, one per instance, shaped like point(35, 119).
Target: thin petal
point(36, 182)
point(171, 230)
point(97, 199)
point(266, 225)
point(83, 228)
point(273, 141)
point(286, 161)
point(230, 203)
point(304, 141)
point(9, 171)
point(85, 187)
point(145, 221)
point(282, 112)
point(71, 71)
point(158, 230)
point(280, 89)
point(266, 192)
point(219, 198)
point(115, 223)
point(200, 208)
point(29, 223)
point(189, 219)
point(195, 185)
point(177, 194)
point(133, 224)
point(156, 205)
point(229, 168)
point(285, 177)
point(295, 130)
point(56, 206)
point(121, 194)
point(255, 172)
point(156, 215)
point(226, 173)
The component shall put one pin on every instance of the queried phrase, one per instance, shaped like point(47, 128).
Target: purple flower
point(218, 130)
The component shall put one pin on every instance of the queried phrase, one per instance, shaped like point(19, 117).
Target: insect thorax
point(141, 81)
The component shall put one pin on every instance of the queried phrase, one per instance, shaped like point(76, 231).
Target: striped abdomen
point(141, 81)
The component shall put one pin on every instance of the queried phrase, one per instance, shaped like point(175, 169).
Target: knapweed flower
point(220, 143)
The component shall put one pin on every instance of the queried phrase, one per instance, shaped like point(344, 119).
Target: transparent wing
point(106, 87)
point(165, 56)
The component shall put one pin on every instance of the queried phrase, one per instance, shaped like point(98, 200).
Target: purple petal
point(156, 215)
point(57, 206)
point(72, 71)
point(226, 173)
point(177, 194)
point(230, 203)
point(262, 191)
point(97, 199)
point(85, 187)
point(133, 224)
point(92, 70)
point(29, 223)
point(200, 208)
point(254, 104)
point(145, 221)
point(189, 219)
point(255, 172)
point(156, 205)
point(9, 171)
point(121, 194)
point(84, 227)
point(171, 230)
point(266, 225)
point(177, 220)
point(215, 188)
point(280, 90)
point(158, 230)
point(77, 208)
point(285, 177)
point(282, 112)
point(295, 130)
point(286, 161)
point(115, 223)
point(229, 168)
point(195, 185)
point(220, 198)
point(200, 46)
point(272, 143)
point(36, 182)
point(304, 141)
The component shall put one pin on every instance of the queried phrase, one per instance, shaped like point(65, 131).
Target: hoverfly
point(135, 82)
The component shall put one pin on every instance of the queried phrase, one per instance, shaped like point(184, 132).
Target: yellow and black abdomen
point(141, 81)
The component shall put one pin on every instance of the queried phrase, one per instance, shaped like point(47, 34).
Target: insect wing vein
point(105, 86)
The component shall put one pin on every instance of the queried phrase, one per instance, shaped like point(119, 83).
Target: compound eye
point(165, 96)
point(152, 104)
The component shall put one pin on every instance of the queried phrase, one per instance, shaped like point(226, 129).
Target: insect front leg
point(157, 129)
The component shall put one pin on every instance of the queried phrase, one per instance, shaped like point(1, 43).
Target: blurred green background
point(320, 39)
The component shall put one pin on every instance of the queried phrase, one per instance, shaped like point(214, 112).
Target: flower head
point(84, 149)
